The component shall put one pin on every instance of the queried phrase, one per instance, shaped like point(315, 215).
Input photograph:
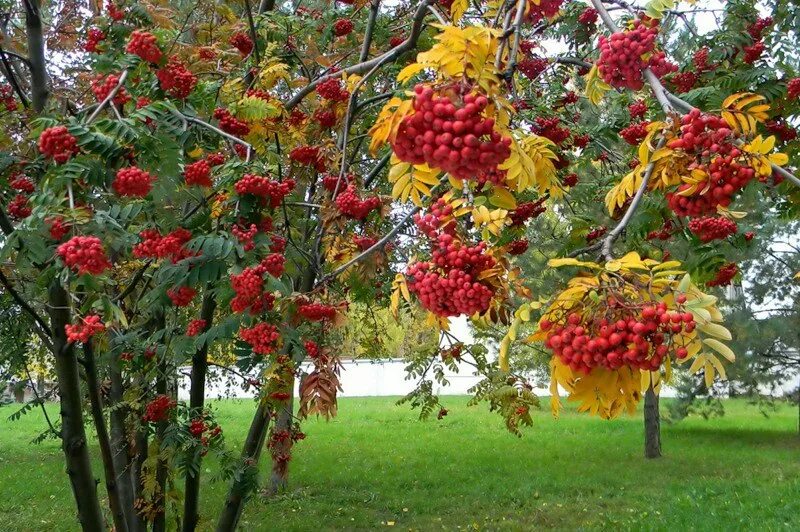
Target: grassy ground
point(376, 466)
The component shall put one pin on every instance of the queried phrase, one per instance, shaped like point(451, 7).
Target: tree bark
point(251, 452)
point(93, 386)
point(197, 394)
point(38, 65)
point(652, 425)
point(140, 455)
point(160, 519)
point(278, 479)
point(120, 449)
point(73, 434)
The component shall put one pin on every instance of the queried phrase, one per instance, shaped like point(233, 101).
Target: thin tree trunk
point(652, 425)
point(197, 394)
point(73, 434)
point(140, 455)
point(93, 386)
point(38, 66)
point(251, 452)
point(120, 449)
point(282, 447)
point(160, 519)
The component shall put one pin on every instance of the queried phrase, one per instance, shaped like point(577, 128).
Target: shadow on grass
point(769, 437)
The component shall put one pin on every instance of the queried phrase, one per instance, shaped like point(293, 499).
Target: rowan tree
point(192, 178)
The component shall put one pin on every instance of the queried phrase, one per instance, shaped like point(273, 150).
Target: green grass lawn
point(376, 466)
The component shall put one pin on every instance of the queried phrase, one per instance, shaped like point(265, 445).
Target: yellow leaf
point(502, 198)
point(567, 261)
point(714, 329)
point(409, 71)
point(720, 348)
point(596, 88)
point(457, 9)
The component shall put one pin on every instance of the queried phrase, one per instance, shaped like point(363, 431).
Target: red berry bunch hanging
point(270, 191)
point(262, 337)
point(637, 336)
point(596, 233)
point(249, 289)
point(195, 327)
point(114, 13)
point(536, 10)
point(198, 173)
point(57, 143)
point(7, 97)
point(277, 244)
point(215, 159)
point(396, 40)
point(197, 427)
point(84, 329)
point(181, 296)
point(712, 228)
point(352, 206)
point(780, 128)
point(449, 285)
point(793, 88)
point(532, 67)
point(588, 16)
point(660, 66)
point(242, 42)
point(206, 53)
point(684, 81)
point(342, 27)
point(58, 228)
point(175, 79)
point(518, 247)
point(329, 182)
point(753, 52)
point(438, 219)
point(316, 311)
point(230, 124)
point(724, 275)
point(569, 98)
point(296, 118)
point(756, 29)
point(526, 211)
point(19, 207)
point(326, 118)
point(635, 133)
point(664, 233)
point(621, 64)
point(158, 409)
point(581, 141)
point(274, 264)
point(94, 37)
point(312, 349)
point(308, 155)
point(570, 180)
point(700, 59)
point(84, 254)
point(245, 236)
point(550, 128)
point(22, 183)
point(133, 182)
point(448, 132)
point(637, 109)
point(145, 45)
point(364, 242)
point(331, 89)
point(154, 245)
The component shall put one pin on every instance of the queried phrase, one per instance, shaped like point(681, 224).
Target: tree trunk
point(160, 519)
point(93, 386)
point(73, 435)
point(281, 448)
point(140, 455)
point(652, 425)
point(38, 66)
point(251, 452)
point(120, 449)
point(197, 394)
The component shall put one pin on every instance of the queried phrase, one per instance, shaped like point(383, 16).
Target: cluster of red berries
point(724, 275)
point(95, 36)
point(316, 311)
point(782, 129)
point(570, 180)
point(7, 97)
point(195, 327)
point(518, 247)
point(312, 349)
point(22, 183)
point(756, 29)
point(58, 228)
point(245, 236)
point(700, 59)
point(364, 242)
point(296, 118)
point(712, 228)
point(242, 42)
point(621, 63)
point(198, 173)
point(664, 233)
point(588, 16)
point(158, 409)
point(262, 337)
point(133, 182)
point(84, 254)
point(526, 211)
point(181, 296)
point(145, 45)
point(57, 143)
point(326, 118)
point(270, 191)
point(438, 219)
point(84, 329)
point(711, 141)
point(550, 128)
point(537, 10)
point(351, 205)
point(103, 85)
point(569, 98)
point(793, 88)
point(581, 141)
point(175, 79)
point(206, 53)
point(753, 52)
point(449, 284)
point(532, 67)
point(308, 155)
point(215, 159)
point(154, 245)
point(19, 207)
point(230, 124)
point(635, 133)
point(342, 27)
point(396, 40)
point(249, 289)
point(451, 135)
point(684, 81)
point(277, 244)
point(114, 13)
point(330, 181)
point(331, 89)
point(596, 233)
point(638, 338)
